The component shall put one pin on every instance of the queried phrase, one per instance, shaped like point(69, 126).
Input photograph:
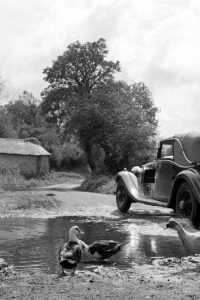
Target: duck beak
point(81, 232)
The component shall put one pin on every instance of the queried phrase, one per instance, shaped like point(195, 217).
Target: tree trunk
point(90, 160)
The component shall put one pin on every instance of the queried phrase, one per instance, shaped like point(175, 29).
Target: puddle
point(32, 244)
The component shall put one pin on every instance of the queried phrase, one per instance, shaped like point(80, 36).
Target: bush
point(10, 176)
point(73, 156)
point(99, 184)
point(67, 157)
point(56, 157)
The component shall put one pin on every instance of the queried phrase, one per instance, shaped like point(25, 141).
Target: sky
point(156, 41)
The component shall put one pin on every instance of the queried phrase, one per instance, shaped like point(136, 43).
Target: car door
point(165, 171)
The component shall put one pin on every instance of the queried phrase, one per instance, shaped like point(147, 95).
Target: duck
point(70, 253)
point(190, 240)
point(102, 249)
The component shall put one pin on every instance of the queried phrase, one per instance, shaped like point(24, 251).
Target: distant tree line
point(86, 116)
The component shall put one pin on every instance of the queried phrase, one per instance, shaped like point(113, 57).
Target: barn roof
point(19, 146)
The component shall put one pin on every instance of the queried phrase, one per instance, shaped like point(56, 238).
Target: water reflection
point(151, 242)
point(32, 244)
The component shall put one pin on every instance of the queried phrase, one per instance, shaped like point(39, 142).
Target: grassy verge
point(27, 203)
point(12, 181)
point(99, 184)
point(18, 197)
point(54, 178)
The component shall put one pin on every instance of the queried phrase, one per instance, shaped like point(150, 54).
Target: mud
point(166, 278)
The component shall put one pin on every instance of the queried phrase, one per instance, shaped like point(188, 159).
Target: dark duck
point(70, 253)
point(102, 249)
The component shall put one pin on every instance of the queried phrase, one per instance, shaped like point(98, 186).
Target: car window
point(167, 151)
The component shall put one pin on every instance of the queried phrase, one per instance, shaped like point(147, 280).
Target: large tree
point(78, 72)
point(114, 118)
point(119, 119)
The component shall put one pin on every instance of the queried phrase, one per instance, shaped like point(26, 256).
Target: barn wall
point(29, 165)
point(42, 164)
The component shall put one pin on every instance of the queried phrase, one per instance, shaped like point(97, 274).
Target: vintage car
point(172, 180)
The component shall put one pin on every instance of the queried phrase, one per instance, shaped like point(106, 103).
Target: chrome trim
point(184, 151)
point(174, 163)
point(186, 158)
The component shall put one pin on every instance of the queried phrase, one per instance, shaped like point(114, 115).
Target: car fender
point(192, 177)
point(131, 184)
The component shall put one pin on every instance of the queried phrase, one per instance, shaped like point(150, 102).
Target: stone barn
point(31, 158)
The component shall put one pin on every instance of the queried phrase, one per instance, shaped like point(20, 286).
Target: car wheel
point(122, 198)
point(187, 205)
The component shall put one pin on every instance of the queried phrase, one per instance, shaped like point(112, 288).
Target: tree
point(110, 118)
point(121, 120)
point(26, 117)
point(135, 127)
point(6, 128)
point(77, 73)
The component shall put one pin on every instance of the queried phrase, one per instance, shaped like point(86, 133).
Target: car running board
point(149, 201)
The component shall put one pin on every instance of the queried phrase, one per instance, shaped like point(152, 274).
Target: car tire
point(187, 205)
point(122, 198)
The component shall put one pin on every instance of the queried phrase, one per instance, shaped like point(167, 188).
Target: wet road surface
point(32, 244)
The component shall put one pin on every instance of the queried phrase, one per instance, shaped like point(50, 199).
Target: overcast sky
point(156, 41)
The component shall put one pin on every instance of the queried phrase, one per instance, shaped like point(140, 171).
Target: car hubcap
point(181, 205)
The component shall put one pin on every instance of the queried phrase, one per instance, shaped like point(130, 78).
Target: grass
point(54, 178)
point(18, 197)
point(27, 204)
point(99, 184)
point(13, 180)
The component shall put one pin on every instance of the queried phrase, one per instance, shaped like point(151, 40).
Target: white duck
point(191, 240)
point(102, 249)
point(70, 253)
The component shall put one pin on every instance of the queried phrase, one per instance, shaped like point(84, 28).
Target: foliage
point(82, 67)
point(114, 122)
point(78, 72)
point(73, 155)
point(56, 156)
point(10, 176)
point(67, 156)
point(6, 128)
point(99, 184)
point(24, 114)
point(26, 117)
point(121, 120)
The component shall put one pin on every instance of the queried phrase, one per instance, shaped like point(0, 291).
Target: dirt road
point(95, 204)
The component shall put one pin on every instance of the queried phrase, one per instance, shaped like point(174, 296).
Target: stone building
point(31, 158)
